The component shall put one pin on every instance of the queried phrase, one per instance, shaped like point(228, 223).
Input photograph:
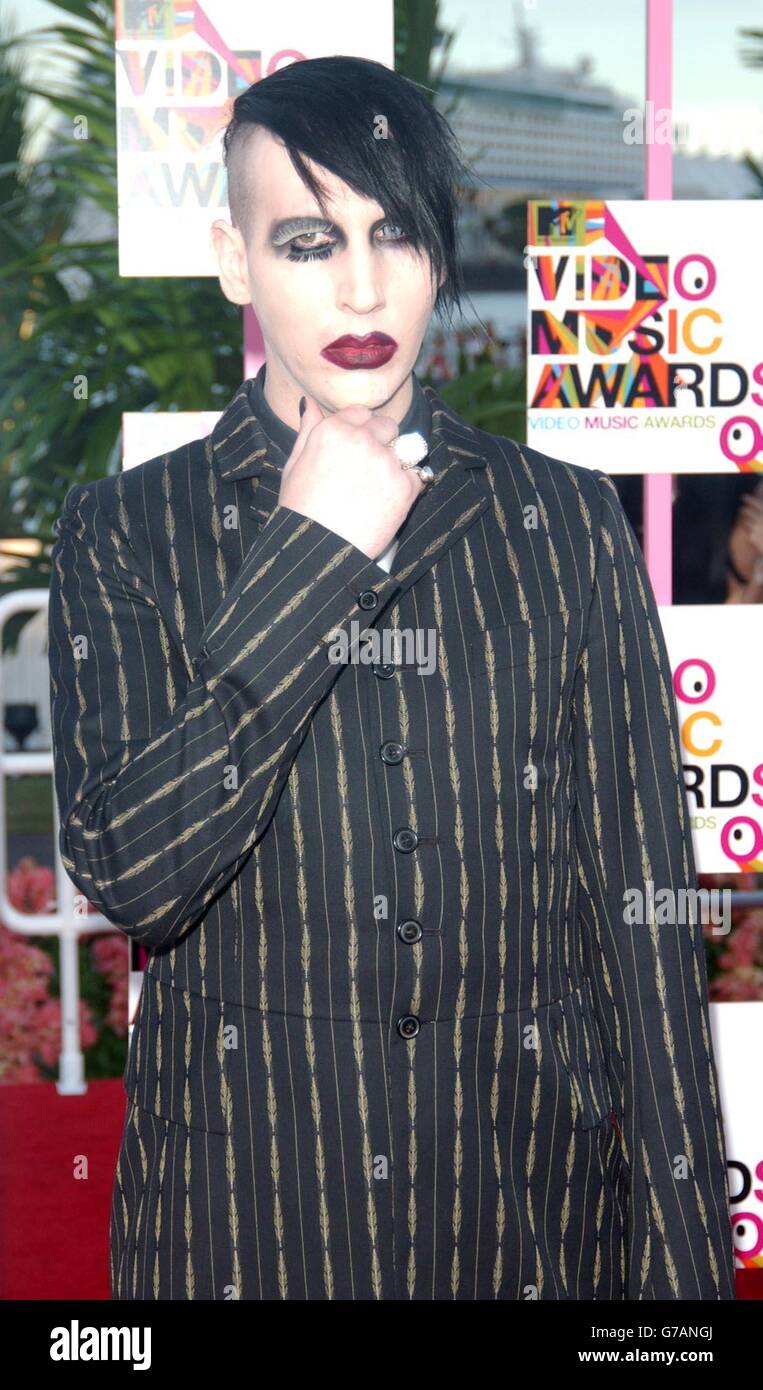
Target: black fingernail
point(302, 404)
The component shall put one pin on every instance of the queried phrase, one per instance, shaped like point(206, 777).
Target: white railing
point(72, 918)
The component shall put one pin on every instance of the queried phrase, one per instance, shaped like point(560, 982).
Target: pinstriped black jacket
point(396, 1038)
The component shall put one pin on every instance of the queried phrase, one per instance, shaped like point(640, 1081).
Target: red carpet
point(55, 1224)
point(58, 1155)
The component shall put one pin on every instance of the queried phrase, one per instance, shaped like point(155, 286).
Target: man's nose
point(360, 286)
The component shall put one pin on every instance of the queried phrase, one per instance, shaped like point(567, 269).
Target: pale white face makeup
point(312, 280)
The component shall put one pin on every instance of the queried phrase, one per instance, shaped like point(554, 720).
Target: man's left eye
point(395, 229)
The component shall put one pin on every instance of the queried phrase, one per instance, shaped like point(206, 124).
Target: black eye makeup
point(299, 238)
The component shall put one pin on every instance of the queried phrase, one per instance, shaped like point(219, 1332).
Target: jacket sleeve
point(156, 821)
point(650, 981)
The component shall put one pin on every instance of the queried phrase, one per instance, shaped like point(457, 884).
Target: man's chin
point(371, 388)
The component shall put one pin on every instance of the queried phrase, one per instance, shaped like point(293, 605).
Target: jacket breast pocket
point(579, 1048)
point(525, 642)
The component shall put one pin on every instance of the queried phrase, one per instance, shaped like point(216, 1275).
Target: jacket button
point(405, 840)
point(392, 752)
point(368, 599)
point(409, 931)
point(384, 669)
point(408, 1026)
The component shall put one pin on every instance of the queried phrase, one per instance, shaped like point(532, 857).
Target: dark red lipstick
point(355, 354)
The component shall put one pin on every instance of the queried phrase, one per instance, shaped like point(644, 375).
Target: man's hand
point(342, 473)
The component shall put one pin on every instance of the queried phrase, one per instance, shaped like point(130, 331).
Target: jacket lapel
point(450, 504)
point(241, 449)
point(444, 512)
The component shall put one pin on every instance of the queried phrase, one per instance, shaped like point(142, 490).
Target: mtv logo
point(557, 221)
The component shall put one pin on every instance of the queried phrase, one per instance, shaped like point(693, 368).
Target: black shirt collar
point(417, 417)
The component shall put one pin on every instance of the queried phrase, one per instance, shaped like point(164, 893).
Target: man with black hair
point(398, 1036)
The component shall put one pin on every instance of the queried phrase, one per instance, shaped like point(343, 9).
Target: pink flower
point(110, 954)
point(30, 1020)
point(740, 963)
point(46, 1043)
point(32, 887)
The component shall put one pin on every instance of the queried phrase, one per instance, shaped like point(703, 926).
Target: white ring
point(410, 448)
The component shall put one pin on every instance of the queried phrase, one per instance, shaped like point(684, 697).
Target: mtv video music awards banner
point(737, 1030)
point(644, 347)
point(179, 68)
point(715, 659)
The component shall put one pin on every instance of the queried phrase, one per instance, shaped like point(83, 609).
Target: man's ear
point(230, 251)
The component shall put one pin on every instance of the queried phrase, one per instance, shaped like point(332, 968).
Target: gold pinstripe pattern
point(415, 998)
point(533, 842)
point(158, 1221)
point(684, 841)
point(315, 1100)
point(660, 979)
point(651, 650)
point(522, 1143)
point(495, 769)
point(357, 1036)
point(463, 949)
point(272, 1097)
